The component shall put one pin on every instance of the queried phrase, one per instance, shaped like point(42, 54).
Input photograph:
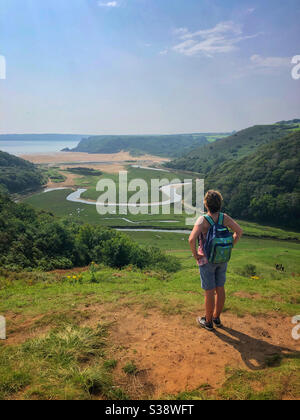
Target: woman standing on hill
point(213, 276)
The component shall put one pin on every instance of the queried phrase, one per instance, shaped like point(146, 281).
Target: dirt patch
point(69, 271)
point(172, 353)
point(20, 329)
point(245, 295)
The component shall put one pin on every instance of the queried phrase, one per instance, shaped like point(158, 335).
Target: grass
point(56, 203)
point(34, 294)
point(68, 361)
point(54, 174)
point(275, 383)
point(65, 364)
point(130, 368)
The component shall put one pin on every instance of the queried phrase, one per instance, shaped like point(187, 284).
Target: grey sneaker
point(217, 322)
point(209, 326)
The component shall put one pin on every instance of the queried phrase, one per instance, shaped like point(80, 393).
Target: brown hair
point(213, 201)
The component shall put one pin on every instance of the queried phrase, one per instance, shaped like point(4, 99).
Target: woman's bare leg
point(220, 301)
point(209, 304)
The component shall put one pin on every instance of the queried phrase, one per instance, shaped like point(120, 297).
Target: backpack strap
point(209, 219)
point(221, 219)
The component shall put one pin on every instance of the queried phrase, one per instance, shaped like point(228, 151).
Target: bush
point(32, 240)
point(249, 270)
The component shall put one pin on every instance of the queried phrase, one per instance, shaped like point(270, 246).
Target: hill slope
point(168, 145)
point(18, 175)
point(264, 186)
point(31, 239)
point(206, 159)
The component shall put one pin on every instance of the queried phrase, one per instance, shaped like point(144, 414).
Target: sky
point(147, 66)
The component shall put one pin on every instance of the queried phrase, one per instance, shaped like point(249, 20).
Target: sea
point(18, 148)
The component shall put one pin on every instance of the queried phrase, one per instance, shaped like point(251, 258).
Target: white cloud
point(180, 31)
point(220, 29)
point(164, 52)
point(270, 62)
point(108, 4)
point(222, 38)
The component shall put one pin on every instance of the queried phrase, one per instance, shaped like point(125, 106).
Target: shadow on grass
point(256, 354)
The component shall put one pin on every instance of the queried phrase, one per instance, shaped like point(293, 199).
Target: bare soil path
point(177, 355)
point(172, 353)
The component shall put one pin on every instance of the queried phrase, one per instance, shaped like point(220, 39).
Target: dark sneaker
point(217, 322)
point(209, 326)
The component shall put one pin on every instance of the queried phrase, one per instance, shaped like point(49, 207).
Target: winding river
point(169, 190)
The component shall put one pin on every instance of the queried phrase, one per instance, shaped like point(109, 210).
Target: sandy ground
point(171, 352)
point(73, 157)
point(109, 163)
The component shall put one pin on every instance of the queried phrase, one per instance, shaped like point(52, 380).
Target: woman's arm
point(238, 231)
point(196, 232)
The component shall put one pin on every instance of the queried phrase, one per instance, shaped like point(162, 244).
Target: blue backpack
point(219, 241)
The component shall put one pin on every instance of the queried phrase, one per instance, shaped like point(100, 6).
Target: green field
point(56, 203)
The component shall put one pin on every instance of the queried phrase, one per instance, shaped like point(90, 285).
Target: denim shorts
point(213, 275)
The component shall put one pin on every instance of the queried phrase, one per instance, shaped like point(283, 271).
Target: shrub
point(249, 270)
point(32, 240)
point(130, 368)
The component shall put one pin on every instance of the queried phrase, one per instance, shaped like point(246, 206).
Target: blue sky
point(147, 66)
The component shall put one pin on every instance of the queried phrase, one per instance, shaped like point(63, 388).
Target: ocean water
point(18, 148)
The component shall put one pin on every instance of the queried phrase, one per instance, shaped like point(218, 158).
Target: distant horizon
point(140, 134)
point(119, 134)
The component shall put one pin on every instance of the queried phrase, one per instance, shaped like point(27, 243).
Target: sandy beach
point(105, 159)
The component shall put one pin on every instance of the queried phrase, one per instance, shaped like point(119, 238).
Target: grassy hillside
point(169, 145)
point(264, 186)
point(207, 159)
point(105, 333)
point(18, 175)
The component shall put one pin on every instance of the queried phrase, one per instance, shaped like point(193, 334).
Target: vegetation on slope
point(58, 350)
point(37, 240)
point(207, 159)
point(18, 175)
point(264, 186)
point(168, 145)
